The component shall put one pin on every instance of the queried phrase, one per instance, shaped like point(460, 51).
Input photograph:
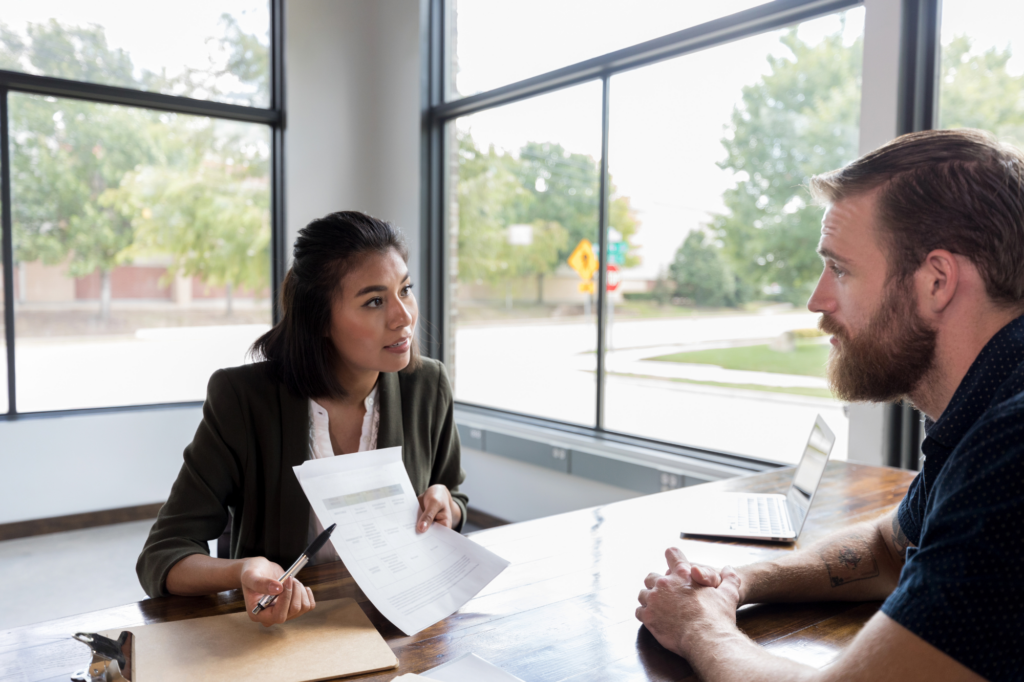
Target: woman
point(340, 374)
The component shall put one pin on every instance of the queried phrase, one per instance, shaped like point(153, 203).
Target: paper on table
point(470, 668)
point(413, 677)
point(414, 579)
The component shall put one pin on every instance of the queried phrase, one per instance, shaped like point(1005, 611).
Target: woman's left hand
point(437, 506)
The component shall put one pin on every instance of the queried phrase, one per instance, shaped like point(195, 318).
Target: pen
point(314, 547)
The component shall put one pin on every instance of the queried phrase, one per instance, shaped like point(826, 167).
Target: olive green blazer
point(239, 465)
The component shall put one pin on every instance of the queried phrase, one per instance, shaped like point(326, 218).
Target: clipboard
point(335, 639)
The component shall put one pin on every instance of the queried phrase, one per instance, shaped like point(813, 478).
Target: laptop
point(774, 517)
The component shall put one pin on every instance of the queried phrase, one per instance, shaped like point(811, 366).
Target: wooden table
point(564, 609)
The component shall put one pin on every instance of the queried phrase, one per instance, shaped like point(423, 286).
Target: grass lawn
point(794, 390)
point(808, 359)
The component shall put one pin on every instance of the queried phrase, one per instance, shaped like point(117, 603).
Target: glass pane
point(196, 48)
point(982, 84)
point(142, 251)
point(496, 42)
point(711, 344)
point(525, 197)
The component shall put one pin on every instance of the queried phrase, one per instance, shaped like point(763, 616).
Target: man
point(923, 292)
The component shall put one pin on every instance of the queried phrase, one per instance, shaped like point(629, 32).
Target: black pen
point(303, 559)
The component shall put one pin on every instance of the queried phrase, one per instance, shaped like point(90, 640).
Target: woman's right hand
point(259, 577)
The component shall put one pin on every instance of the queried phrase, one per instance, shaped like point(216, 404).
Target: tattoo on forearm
point(849, 559)
point(899, 538)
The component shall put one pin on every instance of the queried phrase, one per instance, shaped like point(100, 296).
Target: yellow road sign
point(583, 260)
point(587, 287)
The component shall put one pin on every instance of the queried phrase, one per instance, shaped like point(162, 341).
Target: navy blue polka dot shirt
point(962, 588)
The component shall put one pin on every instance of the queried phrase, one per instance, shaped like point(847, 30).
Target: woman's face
point(373, 318)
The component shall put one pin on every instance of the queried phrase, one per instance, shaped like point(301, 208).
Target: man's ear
point(937, 280)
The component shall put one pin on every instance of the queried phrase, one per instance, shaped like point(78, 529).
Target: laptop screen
point(809, 471)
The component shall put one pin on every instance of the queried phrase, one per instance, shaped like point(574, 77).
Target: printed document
point(414, 579)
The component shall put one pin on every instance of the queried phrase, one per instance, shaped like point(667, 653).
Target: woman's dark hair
point(299, 347)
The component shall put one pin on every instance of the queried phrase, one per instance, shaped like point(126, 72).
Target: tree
point(801, 119)
point(701, 273)
point(214, 221)
point(978, 92)
point(798, 120)
point(553, 191)
point(71, 158)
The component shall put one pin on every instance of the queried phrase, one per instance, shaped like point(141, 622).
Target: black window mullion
point(602, 250)
point(278, 246)
point(8, 248)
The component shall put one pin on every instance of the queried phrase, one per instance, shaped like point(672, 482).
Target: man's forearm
point(726, 654)
point(852, 565)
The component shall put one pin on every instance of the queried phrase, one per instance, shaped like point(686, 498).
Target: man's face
point(881, 346)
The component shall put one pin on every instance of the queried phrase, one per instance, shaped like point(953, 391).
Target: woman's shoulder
point(254, 379)
point(428, 376)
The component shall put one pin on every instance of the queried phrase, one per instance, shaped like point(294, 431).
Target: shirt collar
point(997, 361)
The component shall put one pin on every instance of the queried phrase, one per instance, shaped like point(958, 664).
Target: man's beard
point(886, 361)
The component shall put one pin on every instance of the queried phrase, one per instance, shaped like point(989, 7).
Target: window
point(140, 173)
point(982, 68)
point(497, 42)
point(701, 337)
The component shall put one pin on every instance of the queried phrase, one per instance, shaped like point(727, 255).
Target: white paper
point(413, 677)
point(414, 579)
point(470, 668)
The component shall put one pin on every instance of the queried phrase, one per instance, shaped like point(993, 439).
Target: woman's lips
point(400, 347)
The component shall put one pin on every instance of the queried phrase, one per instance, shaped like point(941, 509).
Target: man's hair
point(958, 190)
point(299, 347)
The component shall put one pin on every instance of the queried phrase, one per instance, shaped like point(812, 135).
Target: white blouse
point(320, 448)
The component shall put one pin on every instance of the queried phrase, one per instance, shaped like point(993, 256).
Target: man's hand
point(688, 599)
point(259, 577)
point(437, 506)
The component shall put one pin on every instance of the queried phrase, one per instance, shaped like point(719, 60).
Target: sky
point(667, 120)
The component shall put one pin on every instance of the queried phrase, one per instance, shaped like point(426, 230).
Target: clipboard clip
point(111, 659)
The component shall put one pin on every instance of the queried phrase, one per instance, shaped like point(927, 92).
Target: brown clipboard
point(335, 639)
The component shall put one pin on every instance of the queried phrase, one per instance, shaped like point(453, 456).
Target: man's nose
point(822, 300)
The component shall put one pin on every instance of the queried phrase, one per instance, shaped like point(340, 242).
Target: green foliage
point(977, 91)
point(800, 119)
point(97, 185)
point(701, 273)
point(546, 187)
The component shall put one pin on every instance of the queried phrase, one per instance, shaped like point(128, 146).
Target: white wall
point(517, 491)
point(352, 140)
point(879, 97)
point(54, 466)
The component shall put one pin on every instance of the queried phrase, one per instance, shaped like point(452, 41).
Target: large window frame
point(916, 110)
point(272, 116)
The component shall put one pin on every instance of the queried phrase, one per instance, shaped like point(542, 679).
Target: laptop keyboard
point(761, 514)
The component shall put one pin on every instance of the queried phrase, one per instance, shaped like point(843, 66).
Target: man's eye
point(837, 271)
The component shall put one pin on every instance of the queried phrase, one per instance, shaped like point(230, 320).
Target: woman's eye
point(374, 302)
point(406, 290)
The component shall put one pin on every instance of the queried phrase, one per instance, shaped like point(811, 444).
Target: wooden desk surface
point(564, 609)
